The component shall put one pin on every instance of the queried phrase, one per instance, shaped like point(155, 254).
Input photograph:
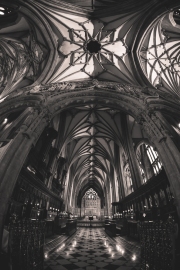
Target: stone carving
point(53, 97)
point(86, 84)
point(153, 127)
point(159, 124)
point(31, 118)
point(35, 89)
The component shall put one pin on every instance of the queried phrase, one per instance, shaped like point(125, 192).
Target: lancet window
point(149, 161)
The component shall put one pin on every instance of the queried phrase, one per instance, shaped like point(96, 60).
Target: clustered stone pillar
point(50, 135)
point(44, 156)
point(52, 157)
point(14, 157)
point(61, 162)
point(132, 160)
point(119, 176)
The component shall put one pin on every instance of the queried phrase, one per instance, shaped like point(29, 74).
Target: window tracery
point(149, 161)
point(91, 194)
point(91, 199)
point(154, 159)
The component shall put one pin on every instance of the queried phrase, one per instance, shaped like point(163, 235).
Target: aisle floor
point(92, 249)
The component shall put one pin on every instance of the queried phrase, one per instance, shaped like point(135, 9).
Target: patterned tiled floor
point(91, 249)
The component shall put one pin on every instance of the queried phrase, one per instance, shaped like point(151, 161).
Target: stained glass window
point(91, 194)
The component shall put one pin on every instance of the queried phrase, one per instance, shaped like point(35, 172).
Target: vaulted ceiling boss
point(90, 47)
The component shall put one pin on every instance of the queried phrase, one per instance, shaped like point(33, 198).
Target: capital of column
point(152, 125)
point(34, 124)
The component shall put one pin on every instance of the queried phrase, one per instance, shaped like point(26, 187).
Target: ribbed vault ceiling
point(88, 135)
point(54, 41)
point(74, 33)
point(88, 140)
point(48, 44)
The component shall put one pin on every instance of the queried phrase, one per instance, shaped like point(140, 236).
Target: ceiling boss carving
point(88, 47)
point(92, 49)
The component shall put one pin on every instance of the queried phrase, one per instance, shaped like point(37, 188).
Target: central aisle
point(91, 249)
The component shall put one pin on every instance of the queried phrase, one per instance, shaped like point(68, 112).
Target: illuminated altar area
point(90, 205)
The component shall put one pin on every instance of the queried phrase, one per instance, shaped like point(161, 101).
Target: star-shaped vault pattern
point(92, 50)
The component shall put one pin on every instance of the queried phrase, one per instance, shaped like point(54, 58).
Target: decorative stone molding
point(152, 125)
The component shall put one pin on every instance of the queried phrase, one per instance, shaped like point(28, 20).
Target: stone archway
point(46, 101)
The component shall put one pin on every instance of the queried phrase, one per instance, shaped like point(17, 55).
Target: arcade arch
point(43, 106)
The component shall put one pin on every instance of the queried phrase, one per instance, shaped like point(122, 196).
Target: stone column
point(61, 162)
point(166, 195)
point(14, 157)
point(112, 182)
point(133, 163)
point(119, 172)
point(50, 135)
point(52, 156)
point(50, 166)
point(47, 137)
point(63, 179)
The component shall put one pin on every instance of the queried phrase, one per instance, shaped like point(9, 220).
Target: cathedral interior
point(90, 134)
